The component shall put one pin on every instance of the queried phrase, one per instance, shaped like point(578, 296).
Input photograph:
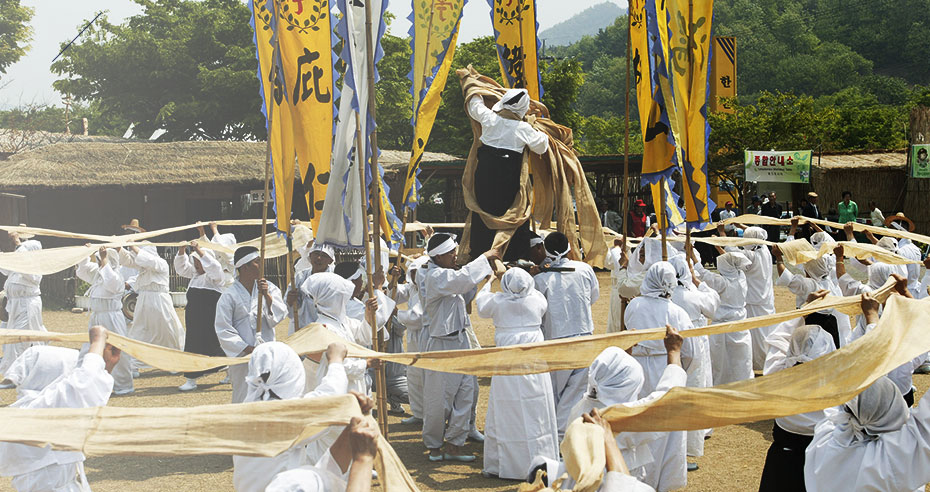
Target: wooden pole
point(663, 220)
point(292, 275)
point(377, 335)
point(625, 205)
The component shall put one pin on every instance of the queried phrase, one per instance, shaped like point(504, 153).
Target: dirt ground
point(733, 456)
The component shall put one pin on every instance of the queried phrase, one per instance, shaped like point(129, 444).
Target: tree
point(395, 104)
point(185, 66)
point(15, 32)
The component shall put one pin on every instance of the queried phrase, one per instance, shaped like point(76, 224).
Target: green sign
point(920, 161)
point(792, 166)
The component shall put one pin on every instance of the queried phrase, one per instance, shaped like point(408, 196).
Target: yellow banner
point(723, 73)
point(672, 211)
point(301, 123)
point(515, 27)
point(688, 55)
point(434, 30)
point(658, 153)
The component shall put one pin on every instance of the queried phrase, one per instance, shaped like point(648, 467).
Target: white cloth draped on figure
point(24, 306)
point(154, 320)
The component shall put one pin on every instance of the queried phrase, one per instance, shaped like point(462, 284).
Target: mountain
point(586, 23)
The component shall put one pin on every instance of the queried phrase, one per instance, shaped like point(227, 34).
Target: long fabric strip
point(138, 236)
point(52, 260)
point(830, 380)
point(513, 360)
point(753, 219)
point(248, 429)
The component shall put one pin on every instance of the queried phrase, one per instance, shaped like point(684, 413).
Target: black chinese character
point(725, 81)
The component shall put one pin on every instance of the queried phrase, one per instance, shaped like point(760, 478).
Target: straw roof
point(862, 162)
point(135, 163)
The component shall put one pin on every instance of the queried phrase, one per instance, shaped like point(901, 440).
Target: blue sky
point(30, 81)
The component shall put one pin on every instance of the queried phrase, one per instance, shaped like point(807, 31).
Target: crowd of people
point(873, 439)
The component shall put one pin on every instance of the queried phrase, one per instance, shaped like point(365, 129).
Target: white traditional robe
point(24, 307)
point(897, 461)
point(700, 303)
point(617, 274)
point(106, 309)
point(802, 287)
point(760, 298)
point(40, 469)
point(154, 320)
point(448, 397)
point(521, 421)
point(412, 318)
point(730, 353)
point(570, 296)
point(236, 320)
point(907, 249)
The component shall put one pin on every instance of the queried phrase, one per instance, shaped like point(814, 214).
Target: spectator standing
point(848, 210)
point(772, 209)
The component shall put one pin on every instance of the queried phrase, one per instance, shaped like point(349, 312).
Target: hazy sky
point(56, 21)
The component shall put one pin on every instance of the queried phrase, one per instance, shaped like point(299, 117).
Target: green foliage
point(588, 22)
point(185, 66)
point(15, 32)
point(393, 95)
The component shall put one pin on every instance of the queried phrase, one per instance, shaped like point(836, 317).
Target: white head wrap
point(660, 280)
point(817, 269)
point(302, 479)
point(517, 283)
point(755, 232)
point(515, 100)
point(225, 259)
point(330, 293)
point(730, 264)
point(30, 245)
point(682, 273)
point(322, 248)
point(112, 258)
point(358, 273)
point(875, 411)
point(414, 266)
point(275, 372)
point(38, 366)
point(819, 238)
point(536, 241)
point(444, 247)
point(807, 343)
point(615, 377)
point(888, 243)
point(879, 273)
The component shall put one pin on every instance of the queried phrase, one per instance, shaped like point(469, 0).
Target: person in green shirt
point(847, 208)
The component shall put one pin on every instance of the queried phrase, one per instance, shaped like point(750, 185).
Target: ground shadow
point(140, 468)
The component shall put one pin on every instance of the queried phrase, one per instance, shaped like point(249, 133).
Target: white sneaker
point(135, 374)
point(7, 386)
point(190, 384)
point(475, 436)
point(123, 392)
point(225, 380)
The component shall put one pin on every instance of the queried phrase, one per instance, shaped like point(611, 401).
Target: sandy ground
point(733, 456)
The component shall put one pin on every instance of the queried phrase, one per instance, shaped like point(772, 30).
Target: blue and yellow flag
point(294, 51)
point(687, 50)
point(434, 29)
point(515, 30)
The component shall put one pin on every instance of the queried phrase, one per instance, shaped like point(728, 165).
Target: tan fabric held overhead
point(273, 427)
point(833, 379)
point(753, 219)
point(513, 360)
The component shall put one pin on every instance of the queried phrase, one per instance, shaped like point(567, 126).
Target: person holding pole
point(448, 398)
point(237, 315)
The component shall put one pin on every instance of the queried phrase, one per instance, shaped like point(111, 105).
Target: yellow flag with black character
point(515, 30)
point(301, 90)
point(433, 33)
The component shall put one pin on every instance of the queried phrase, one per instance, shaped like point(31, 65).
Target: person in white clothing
point(520, 420)
point(207, 281)
point(38, 366)
point(154, 320)
point(616, 261)
point(907, 249)
point(570, 295)
point(24, 304)
point(237, 315)
point(730, 353)
point(40, 469)
point(760, 294)
point(700, 302)
point(792, 343)
point(872, 443)
point(412, 319)
point(728, 213)
point(616, 378)
point(319, 259)
point(449, 399)
point(276, 373)
point(504, 138)
point(106, 307)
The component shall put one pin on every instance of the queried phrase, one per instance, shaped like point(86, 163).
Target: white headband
point(448, 245)
point(247, 258)
point(536, 241)
point(358, 273)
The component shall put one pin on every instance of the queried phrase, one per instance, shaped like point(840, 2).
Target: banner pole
point(377, 335)
point(625, 204)
point(663, 220)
